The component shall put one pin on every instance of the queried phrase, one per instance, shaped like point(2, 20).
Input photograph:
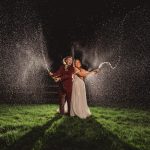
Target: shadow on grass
point(74, 133)
point(70, 133)
point(28, 141)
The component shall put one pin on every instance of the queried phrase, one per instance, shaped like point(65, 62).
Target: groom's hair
point(68, 57)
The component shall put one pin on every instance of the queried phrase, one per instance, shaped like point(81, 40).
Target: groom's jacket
point(66, 76)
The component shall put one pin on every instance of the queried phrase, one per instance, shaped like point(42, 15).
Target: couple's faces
point(69, 61)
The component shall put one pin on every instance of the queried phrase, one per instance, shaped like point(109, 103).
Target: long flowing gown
point(79, 105)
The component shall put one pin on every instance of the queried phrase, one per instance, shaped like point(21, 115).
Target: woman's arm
point(81, 72)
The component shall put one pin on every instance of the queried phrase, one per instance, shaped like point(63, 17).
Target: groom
point(64, 76)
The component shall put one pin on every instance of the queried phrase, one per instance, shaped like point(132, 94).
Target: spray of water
point(43, 49)
point(109, 64)
point(121, 81)
point(24, 55)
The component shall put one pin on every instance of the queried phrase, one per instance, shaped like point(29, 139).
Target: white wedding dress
point(79, 105)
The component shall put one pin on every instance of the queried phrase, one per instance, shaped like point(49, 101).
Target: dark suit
point(65, 86)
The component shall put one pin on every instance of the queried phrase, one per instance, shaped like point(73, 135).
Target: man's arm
point(58, 73)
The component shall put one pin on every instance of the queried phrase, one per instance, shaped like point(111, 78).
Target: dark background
point(66, 23)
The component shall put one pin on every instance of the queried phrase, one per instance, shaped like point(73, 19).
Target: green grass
point(38, 127)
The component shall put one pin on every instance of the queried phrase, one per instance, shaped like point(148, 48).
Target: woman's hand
point(96, 71)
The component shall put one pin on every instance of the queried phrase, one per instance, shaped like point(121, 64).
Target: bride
point(79, 105)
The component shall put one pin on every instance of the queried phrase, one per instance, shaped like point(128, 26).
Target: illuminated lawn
point(39, 127)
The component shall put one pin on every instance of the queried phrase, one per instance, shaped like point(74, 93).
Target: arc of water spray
point(45, 61)
point(109, 64)
point(42, 47)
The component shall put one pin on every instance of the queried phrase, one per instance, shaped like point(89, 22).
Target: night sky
point(66, 22)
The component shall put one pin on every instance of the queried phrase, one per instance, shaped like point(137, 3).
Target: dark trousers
point(64, 95)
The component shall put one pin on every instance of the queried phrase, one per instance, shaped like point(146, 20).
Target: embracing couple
point(72, 92)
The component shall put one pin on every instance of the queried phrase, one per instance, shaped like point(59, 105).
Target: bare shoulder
point(83, 69)
point(76, 69)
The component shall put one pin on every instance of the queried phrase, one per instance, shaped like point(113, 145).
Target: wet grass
point(38, 127)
